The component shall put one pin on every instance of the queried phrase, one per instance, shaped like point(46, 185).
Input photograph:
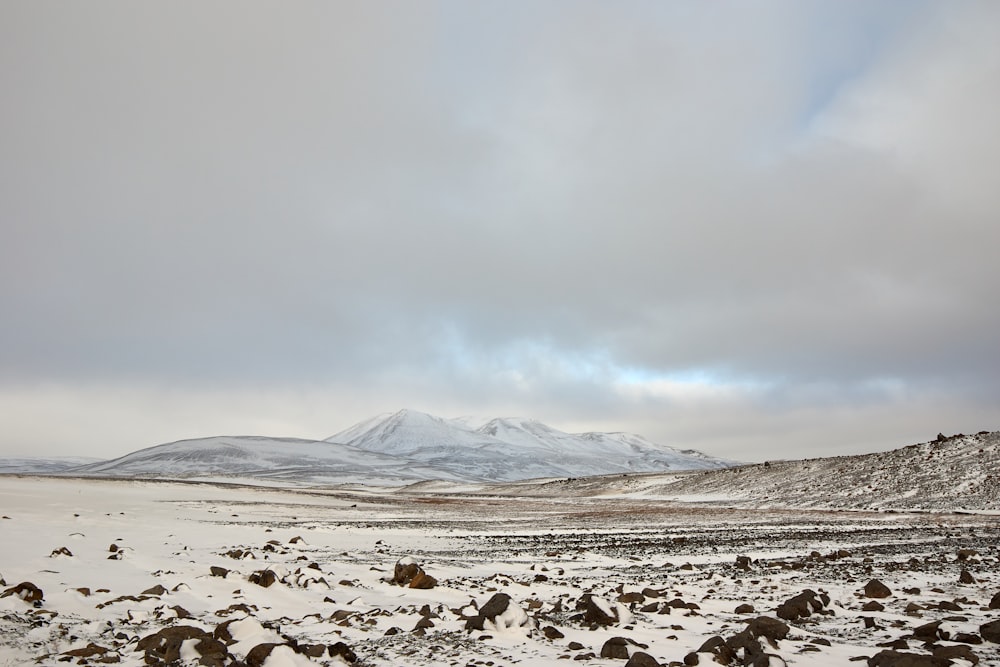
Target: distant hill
point(39, 465)
point(402, 448)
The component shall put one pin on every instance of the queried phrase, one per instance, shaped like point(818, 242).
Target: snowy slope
point(32, 465)
point(956, 473)
point(510, 449)
point(260, 457)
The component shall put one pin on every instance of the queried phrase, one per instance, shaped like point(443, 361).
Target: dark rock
point(574, 646)
point(263, 578)
point(219, 571)
point(260, 653)
point(691, 659)
point(616, 648)
point(629, 598)
point(164, 646)
point(966, 577)
point(744, 609)
point(802, 605)
point(552, 633)
point(995, 602)
point(25, 590)
point(929, 632)
point(640, 659)
point(343, 650)
point(155, 590)
point(61, 551)
point(890, 658)
point(991, 631)
point(593, 612)
point(967, 638)
point(422, 580)
point(876, 589)
point(770, 628)
point(495, 607)
point(956, 653)
point(88, 651)
point(873, 605)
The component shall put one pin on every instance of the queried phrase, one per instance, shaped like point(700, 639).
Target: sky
point(763, 230)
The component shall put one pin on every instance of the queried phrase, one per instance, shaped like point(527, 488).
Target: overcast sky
point(762, 230)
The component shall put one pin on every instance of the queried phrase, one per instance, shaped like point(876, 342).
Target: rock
point(928, 632)
point(770, 628)
point(802, 605)
point(966, 554)
point(890, 658)
point(991, 631)
point(406, 568)
point(155, 590)
point(258, 655)
point(25, 590)
point(422, 580)
point(552, 633)
point(164, 646)
point(263, 578)
point(615, 648)
point(966, 577)
point(876, 589)
point(950, 653)
point(499, 613)
point(995, 602)
point(88, 651)
point(744, 608)
point(219, 571)
point(743, 562)
point(597, 610)
point(61, 551)
point(873, 605)
point(640, 659)
point(629, 598)
point(343, 650)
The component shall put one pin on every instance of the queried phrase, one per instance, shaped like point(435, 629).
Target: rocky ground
point(97, 572)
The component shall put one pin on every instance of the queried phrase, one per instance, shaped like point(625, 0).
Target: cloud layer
point(764, 231)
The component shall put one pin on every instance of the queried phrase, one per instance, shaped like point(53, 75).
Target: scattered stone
point(744, 608)
point(876, 589)
point(219, 571)
point(552, 633)
point(873, 605)
point(966, 577)
point(61, 551)
point(155, 590)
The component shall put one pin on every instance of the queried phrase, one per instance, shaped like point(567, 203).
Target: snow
point(172, 533)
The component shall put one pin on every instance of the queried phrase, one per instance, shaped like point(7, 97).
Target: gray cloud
point(694, 223)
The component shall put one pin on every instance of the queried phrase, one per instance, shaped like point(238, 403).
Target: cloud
point(462, 209)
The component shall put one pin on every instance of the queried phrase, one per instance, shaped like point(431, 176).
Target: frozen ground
point(119, 561)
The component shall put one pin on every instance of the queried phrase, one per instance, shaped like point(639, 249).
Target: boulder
point(991, 631)
point(615, 648)
point(802, 605)
point(498, 614)
point(995, 602)
point(640, 659)
point(876, 589)
point(25, 590)
point(891, 658)
point(263, 578)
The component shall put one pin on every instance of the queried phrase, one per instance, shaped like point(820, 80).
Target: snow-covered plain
point(118, 561)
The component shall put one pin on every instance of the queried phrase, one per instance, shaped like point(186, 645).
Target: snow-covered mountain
point(396, 449)
point(512, 449)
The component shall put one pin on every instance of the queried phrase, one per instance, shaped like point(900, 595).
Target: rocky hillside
point(961, 472)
